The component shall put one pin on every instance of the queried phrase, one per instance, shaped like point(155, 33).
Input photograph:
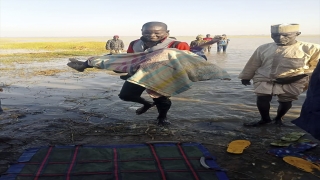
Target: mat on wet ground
point(156, 161)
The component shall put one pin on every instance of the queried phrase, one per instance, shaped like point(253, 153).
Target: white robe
point(270, 61)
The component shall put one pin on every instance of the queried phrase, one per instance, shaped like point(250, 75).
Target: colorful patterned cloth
point(166, 71)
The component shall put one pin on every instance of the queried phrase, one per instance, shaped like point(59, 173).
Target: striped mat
point(150, 161)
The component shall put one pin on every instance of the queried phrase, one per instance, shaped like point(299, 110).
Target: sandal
point(301, 163)
point(237, 146)
point(282, 143)
point(292, 137)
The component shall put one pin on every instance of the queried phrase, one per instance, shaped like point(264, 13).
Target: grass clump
point(45, 51)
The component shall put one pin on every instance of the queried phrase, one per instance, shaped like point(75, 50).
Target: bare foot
point(144, 109)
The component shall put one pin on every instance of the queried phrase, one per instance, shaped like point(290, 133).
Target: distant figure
point(281, 68)
point(223, 43)
point(115, 45)
point(309, 119)
point(207, 38)
point(195, 46)
point(173, 38)
point(199, 41)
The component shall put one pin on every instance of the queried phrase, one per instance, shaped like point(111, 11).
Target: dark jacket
point(309, 119)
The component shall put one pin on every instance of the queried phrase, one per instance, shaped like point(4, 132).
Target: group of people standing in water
point(281, 69)
point(222, 44)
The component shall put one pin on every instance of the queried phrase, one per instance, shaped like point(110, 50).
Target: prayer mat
point(150, 161)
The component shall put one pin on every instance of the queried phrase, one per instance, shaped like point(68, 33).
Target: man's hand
point(245, 82)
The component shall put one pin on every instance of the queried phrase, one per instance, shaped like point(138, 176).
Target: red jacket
point(207, 39)
point(180, 46)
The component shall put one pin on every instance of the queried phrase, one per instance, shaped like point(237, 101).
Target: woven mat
point(150, 161)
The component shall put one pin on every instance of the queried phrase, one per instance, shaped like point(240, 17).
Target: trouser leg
point(132, 92)
point(218, 48)
point(283, 108)
point(163, 105)
point(224, 48)
point(1, 110)
point(263, 104)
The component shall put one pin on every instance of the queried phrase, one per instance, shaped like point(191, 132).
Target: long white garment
point(271, 61)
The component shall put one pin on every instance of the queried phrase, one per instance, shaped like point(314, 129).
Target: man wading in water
point(154, 37)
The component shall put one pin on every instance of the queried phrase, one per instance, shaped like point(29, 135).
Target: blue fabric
point(222, 47)
point(223, 42)
point(296, 151)
point(309, 119)
point(199, 51)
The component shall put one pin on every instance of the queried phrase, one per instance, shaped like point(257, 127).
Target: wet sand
point(83, 108)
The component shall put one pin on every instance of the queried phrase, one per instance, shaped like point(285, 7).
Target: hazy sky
point(69, 18)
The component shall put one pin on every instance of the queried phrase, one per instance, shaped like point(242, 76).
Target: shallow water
point(227, 103)
point(84, 108)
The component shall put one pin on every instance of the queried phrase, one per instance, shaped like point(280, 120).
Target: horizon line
point(131, 36)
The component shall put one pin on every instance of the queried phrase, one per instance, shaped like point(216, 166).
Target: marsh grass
point(92, 46)
point(29, 73)
point(46, 51)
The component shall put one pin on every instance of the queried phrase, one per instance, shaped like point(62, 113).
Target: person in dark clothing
point(208, 38)
point(115, 45)
point(309, 119)
point(154, 36)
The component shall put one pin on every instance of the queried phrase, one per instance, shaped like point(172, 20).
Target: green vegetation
point(25, 52)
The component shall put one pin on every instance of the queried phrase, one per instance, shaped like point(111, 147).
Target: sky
point(86, 18)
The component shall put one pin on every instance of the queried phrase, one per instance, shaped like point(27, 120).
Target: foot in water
point(280, 122)
point(144, 109)
point(163, 122)
point(257, 123)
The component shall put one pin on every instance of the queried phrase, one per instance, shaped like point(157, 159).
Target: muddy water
point(84, 108)
point(208, 105)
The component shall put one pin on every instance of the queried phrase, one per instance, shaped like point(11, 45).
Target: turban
point(284, 28)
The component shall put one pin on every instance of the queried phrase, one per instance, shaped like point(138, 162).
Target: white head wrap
point(284, 28)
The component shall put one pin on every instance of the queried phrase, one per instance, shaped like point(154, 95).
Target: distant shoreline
point(234, 36)
point(126, 39)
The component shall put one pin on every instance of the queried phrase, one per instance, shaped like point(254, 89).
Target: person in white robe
point(281, 69)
